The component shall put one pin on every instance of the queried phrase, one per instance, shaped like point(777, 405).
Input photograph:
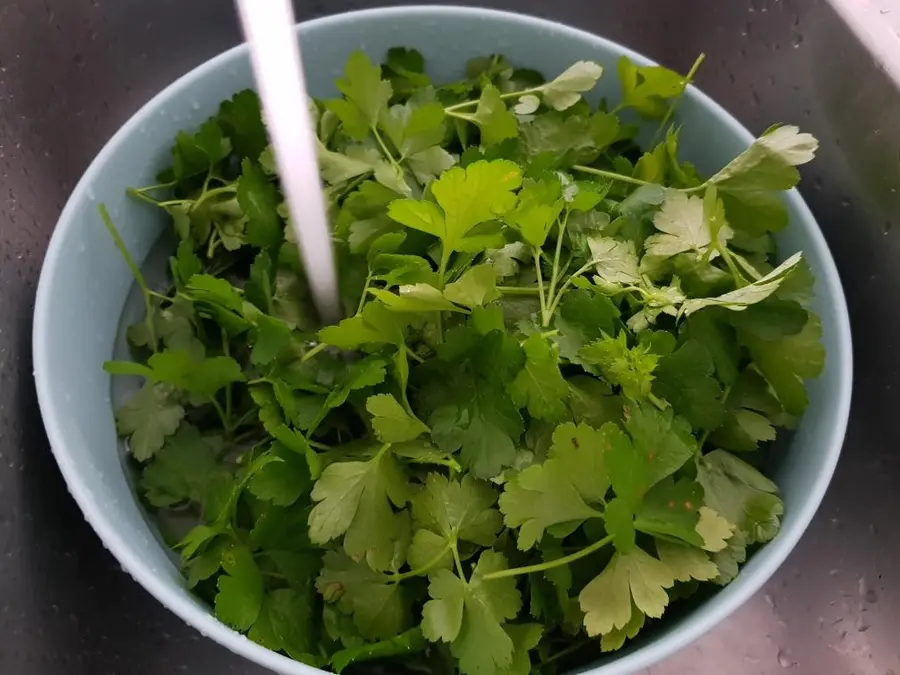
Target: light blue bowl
point(85, 282)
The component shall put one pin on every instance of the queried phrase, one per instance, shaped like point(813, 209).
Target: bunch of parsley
point(538, 423)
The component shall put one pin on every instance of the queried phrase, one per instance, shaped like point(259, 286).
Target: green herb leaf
point(148, 417)
point(540, 386)
point(471, 616)
point(241, 119)
point(740, 493)
point(466, 197)
point(457, 510)
point(180, 470)
point(240, 595)
point(354, 498)
point(787, 362)
point(380, 609)
point(392, 423)
point(559, 490)
point(636, 576)
point(367, 96)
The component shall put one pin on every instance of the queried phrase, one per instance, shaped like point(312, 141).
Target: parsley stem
point(458, 562)
point(134, 192)
point(384, 148)
point(424, 569)
point(672, 106)
point(365, 292)
point(413, 355)
point(519, 290)
point(222, 415)
point(442, 272)
point(449, 110)
point(568, 651)
point(537, 268)
point(135, 272)
point(550, 564)
point(148, 188)
point(224, 189)
point(315, 351)
point(225, 351)
point(735, 273)
point(612, 175)
point(658, 402)
point(553, 279)
point(562, 289)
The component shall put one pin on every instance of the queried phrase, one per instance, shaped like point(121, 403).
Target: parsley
point(536, 423)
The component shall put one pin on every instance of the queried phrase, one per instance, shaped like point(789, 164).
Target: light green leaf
point(481, 192)
point(415, 298)
point(540, 203)
point(367, 95)
point(354, 498)
point(630, 368)
point(607, 599)
point(615, 261)
point(392, 423)
point(495, 121)
point(565, 89)
point(413, 129)
point(741, 298)
point(462, 509)
point(714, 529)
point(685, 562)
point(683, 228)
point(768, 164)
point(478, 286)
point(471, 616)
point(559, 490)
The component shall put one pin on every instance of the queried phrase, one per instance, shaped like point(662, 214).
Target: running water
point(277, 67)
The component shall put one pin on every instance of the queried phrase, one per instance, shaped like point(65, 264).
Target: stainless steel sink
point(71, 71)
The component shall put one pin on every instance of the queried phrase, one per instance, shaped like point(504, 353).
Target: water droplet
point(784, 660)
point(866, 592)
point(798, 40)
point(90, 193)
point(195, 105)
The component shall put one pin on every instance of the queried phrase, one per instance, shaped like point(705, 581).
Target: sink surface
point(71, 71)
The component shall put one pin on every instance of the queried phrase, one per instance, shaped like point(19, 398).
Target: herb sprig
point(539, 422)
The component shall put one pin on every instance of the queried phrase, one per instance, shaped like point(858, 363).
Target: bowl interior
point(85, 283)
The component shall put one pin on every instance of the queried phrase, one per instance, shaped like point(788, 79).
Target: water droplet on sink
point(784, 660)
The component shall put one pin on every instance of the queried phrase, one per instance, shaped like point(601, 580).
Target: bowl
point(84, 285)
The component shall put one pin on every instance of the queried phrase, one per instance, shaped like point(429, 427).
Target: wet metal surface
point(71, 71)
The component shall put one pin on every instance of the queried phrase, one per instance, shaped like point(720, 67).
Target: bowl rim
point(736, 594)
